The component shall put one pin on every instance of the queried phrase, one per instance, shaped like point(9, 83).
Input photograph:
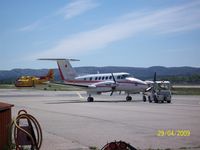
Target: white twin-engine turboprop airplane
point(99, 83)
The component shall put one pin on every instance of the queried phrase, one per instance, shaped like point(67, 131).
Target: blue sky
point(137, 33)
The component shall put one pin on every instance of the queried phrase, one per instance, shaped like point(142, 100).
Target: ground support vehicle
point(160, 92)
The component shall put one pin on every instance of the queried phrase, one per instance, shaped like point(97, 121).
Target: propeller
point(154, 79)
point(149, 89)
point(113, 78)
point(114, 87)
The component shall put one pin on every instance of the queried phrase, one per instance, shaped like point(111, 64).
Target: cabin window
point(90, 78)
point(110, 77)
point(124, 77)
point(103, 78)
point(84, 78)
point(96, 78)
point(106, 78)
point(99, 78)
point(118, 77)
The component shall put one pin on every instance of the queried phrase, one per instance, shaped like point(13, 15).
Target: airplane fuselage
point(104, 82)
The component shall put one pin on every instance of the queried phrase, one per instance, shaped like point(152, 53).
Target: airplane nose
point(144, 84)
point(138, 81)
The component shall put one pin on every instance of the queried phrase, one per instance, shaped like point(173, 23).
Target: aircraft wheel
point(90, 99)
point(144, 98)
point(169, 101)
point(128, 98)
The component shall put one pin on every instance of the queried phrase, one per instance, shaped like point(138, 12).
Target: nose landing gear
point(128, 98)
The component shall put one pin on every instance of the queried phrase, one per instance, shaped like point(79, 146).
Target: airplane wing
point(104, 83)
point(94, 85)
point(99, 87)
point(68, 84)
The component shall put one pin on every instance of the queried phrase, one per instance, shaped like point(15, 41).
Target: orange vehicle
point(31, 81)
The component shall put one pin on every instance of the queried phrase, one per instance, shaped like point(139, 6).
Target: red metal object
point(118, 145)
point(5, 121)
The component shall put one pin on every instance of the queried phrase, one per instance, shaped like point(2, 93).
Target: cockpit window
point(123, 76)
point(126, 76)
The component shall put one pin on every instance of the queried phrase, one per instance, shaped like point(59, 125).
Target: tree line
point(190, 79)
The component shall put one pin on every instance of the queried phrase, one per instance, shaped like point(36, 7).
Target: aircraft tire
point(90, 99)
point(144, 99)
point(128, 98)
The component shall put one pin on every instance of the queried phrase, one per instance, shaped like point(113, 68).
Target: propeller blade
point(154, 77)
point(113, 89)
point(111, 93)
point(113, 77)
point(148, 89)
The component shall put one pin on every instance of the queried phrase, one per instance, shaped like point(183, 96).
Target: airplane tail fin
point(66, 70)
point(50, 74)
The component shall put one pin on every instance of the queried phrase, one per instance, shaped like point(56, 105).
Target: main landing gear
point(144, 98)
point(90, 98)
point(128, 98)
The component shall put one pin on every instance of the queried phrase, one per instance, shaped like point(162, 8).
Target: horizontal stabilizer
point(58, 59)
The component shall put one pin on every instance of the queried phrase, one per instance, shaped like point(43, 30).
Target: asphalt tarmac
point(69, 122)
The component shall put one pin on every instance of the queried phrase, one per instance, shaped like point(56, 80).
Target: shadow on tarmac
point(96, 101)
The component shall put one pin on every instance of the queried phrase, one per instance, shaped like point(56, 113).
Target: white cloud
point(176, 19)
point(31, 26)
point(71, 10)
point(76, 7)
